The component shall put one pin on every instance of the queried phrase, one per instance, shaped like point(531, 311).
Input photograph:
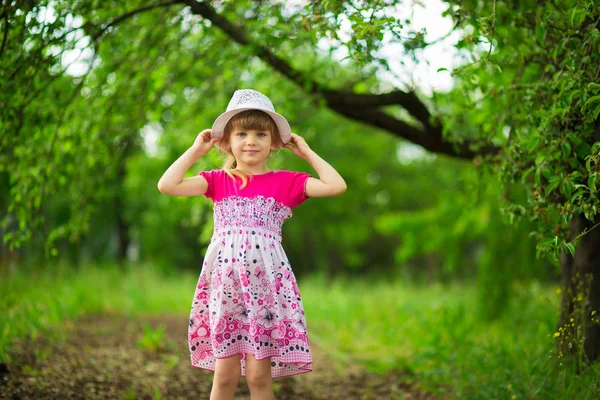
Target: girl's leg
point(227, 376)
point(258, 376)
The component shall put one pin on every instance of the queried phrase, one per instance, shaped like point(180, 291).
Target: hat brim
point(285, 132)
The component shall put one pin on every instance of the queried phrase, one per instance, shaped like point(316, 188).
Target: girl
point(247, 316)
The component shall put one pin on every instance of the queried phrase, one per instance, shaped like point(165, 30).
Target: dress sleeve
point(298, 188)
point(208, 175)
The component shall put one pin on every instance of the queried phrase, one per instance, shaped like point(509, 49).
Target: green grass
point(35, 301)
point(436, 333)
point(432, 332)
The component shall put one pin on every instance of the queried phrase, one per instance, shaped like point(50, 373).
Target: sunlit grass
point(434, 333)
point(34, 301)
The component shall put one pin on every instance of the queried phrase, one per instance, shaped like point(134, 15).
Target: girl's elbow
point(162, 188)
point(340, 189)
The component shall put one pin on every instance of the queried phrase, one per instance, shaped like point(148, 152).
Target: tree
point(534, 91)
point(527, 108)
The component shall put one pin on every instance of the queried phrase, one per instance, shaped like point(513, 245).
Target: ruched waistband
point(247, 231)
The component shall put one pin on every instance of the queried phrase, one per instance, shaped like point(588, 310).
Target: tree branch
point(360, 107)
point(130, 14)
point(6, 27)
point(433, 141)
point(409, 101)
point(238, 34)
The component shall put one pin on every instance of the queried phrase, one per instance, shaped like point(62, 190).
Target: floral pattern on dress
point(247, 298)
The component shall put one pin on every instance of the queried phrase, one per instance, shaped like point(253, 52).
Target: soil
point(98, 357)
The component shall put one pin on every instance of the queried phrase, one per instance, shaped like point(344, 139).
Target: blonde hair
point(249, 119)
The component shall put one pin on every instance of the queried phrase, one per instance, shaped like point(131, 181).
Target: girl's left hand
point(298, 146)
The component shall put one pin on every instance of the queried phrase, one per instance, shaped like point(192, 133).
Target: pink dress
point(247, 299)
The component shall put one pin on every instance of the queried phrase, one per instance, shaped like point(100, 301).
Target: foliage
point(77, 171)
point(533, 90)
point(171, 80)
point(433, 334)
point(91, 120)
point(463, 232)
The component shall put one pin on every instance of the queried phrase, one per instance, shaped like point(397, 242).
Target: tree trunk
point(581, 291)
point(123, 237)
point(122, 230)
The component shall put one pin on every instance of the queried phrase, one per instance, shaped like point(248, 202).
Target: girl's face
point(250, 147)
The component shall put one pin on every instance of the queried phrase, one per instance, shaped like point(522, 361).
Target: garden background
point(461, 262)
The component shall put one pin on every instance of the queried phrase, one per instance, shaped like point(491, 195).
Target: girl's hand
point(298, 146)
point(203, 143)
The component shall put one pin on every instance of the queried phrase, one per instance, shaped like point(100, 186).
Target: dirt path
point(99, 359)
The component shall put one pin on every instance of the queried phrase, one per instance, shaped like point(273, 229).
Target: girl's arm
point(172, 181)
point(330, 182)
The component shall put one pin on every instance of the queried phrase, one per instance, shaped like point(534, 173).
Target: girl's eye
point(262, 134)
point(241, 133)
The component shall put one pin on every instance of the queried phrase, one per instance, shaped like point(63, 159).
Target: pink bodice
point(265, 202)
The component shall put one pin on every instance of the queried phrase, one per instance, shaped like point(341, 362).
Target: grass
point(434, 333)
point(36, 300)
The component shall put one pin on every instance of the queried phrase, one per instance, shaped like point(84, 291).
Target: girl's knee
point(258, 372)
point(228, 372)
point(227, 379)
point(259, 380)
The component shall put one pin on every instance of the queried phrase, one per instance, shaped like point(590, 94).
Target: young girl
point(247, 316)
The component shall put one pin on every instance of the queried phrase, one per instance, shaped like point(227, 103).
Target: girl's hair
point(249, 119)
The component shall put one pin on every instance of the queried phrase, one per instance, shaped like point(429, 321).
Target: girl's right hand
point(204, 143)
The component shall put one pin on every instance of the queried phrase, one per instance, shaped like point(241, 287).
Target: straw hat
point(248, 99)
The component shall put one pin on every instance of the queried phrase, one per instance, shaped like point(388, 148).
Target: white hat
point(248, 99)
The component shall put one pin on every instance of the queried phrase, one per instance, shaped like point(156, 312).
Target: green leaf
point(574, 93)
point(442, 69)
point(540, 32)
point(592, 183)
point(552, 186)
point(558, 49)
point(575, 174)
point(545, 242)
point(533, 143)
point(592, 100)
point(594, 86)
point(571, 247)
point(573, 138)
point(558, 111)
point(568, 190)
point(526, 173)
point(578, 193)
point(540, 159)
point(566, 149)
point(548, 174)
point(596, 112)
point(583, 150)
point(577, 16)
